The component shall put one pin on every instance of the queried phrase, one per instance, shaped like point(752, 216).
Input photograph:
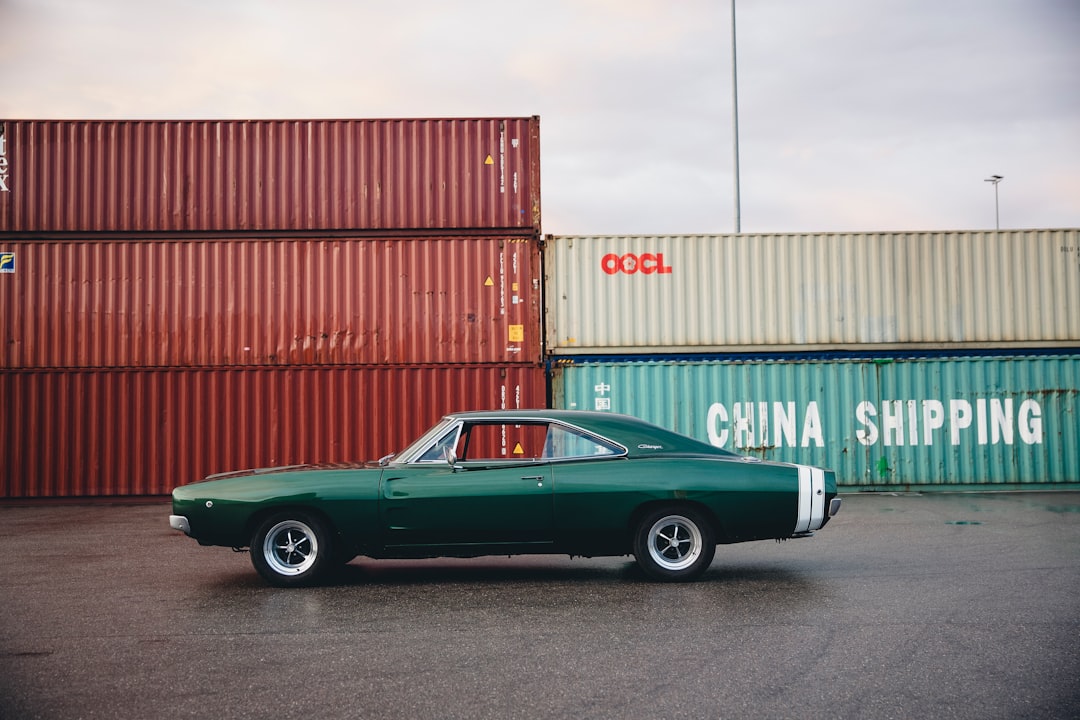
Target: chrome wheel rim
point(290, 547)
point(674, 542)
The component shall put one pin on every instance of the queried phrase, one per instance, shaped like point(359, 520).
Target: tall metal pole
point(997, 209)
point(735, 119)
point(995, 179)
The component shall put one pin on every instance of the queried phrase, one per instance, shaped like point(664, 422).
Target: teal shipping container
point(882, 423)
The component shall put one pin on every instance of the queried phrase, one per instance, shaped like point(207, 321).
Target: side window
point(437, 452)
point(564, 442)
point(502, 442)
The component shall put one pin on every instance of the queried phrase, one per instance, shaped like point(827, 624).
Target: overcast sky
point(854, 115)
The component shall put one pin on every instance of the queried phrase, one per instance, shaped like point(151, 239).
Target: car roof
point(641, 438)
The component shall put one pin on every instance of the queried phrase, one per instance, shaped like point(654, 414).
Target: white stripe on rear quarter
point(806, 495)
point(811, 499)
point(817, 513)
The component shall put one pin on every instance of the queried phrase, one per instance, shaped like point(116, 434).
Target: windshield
point(418, 446)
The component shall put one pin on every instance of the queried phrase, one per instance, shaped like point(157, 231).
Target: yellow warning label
point(489, 282)
point(514, 287)
point(488, 160)
point(517, 333)
point(518, 450)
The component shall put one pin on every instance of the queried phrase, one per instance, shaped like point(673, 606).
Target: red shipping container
point(273, 175)
point(132, 433)
point(261, 301)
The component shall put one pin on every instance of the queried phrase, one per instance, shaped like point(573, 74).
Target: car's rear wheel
point(674, 544)
point(291, 549)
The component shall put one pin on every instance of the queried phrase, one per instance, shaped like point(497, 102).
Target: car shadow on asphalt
point(479, 570)
point(532, 570)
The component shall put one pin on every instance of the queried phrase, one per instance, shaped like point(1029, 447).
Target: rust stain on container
point(274, 175)
point(271, 301)
point(123, 433)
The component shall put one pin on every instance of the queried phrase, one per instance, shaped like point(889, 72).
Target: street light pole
point(735, 119)
point(995, 179)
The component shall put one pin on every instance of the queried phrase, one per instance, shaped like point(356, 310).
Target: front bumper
point(179, 522)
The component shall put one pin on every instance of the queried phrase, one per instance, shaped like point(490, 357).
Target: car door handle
point(538, 479)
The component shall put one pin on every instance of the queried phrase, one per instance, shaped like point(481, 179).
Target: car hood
point(265, 484)
point(288, 468)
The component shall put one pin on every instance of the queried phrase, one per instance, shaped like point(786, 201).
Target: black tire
point(674, 544)
point(292, 549)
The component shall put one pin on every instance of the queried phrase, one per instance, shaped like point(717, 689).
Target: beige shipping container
point(799, 292)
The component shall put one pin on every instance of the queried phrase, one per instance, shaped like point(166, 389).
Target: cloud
point(853, 115)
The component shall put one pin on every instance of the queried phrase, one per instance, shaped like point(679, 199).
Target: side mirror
point(451, 457)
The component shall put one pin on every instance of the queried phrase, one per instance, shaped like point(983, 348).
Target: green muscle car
point(506, 483)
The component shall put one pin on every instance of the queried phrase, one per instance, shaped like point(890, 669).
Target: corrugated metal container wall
point(884, 423)
point(217, 175)
point(280, 301)
point(610, 295)
point(105, 433)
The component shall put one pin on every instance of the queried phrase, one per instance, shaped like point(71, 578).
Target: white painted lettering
point(747, 425)
point(892, 423)
point(812, 427)
point(743, 419)
point(784, 422)
point(3, 163)
point(912, 423)
point(933, 419)
point(1031, 431)
point(868, 434)
point(959, 418)
point(993, 419)
point(1001, 419)
point(716, 425)
point(980, 421)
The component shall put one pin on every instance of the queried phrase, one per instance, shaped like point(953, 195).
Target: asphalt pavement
point(904, 606)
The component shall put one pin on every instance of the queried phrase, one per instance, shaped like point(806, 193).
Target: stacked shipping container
point(271, 175)
point(184, 298)
point(235, 301)
point(114, 431)
point(899, 359)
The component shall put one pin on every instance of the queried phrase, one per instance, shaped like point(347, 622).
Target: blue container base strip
point(883, 422)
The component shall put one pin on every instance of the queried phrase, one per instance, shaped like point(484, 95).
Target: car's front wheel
point(291, 549)
point(674, 544)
